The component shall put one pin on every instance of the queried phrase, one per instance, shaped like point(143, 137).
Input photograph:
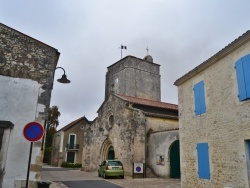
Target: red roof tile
point(73, 123)
point(148, 102)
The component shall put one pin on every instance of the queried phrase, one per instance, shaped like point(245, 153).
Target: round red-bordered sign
point(33, 131)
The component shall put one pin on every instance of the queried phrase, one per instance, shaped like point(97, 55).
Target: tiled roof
point(215, 58)
point(73, 123)
point(161, 115)
point(148, 102)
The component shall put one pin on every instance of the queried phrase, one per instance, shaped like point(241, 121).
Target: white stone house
point(26, 78)
point(214, 119)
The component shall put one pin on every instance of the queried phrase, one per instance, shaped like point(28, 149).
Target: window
point(72, 141)
point(203, 161)
point(242, 67)
point(199, 98)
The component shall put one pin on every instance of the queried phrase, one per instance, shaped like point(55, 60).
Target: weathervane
point(123, 47)
point(147, 50)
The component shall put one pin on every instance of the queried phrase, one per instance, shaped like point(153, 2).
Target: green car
point(111, 168)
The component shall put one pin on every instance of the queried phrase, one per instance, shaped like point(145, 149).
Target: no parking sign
point(33, 131)
point(138, 168)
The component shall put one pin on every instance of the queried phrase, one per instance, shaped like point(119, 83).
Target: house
point(214, 119)
point(68, 143)
point(26, 77)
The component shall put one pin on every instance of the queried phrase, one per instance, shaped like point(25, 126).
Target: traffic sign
point(138, 168)
point(33, 131)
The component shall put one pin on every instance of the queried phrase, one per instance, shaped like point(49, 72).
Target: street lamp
point(64, 79)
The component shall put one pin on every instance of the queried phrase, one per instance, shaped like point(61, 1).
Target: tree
point(53, 116)
point(52, 124)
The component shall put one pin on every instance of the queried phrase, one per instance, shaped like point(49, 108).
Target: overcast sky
point(180, 35)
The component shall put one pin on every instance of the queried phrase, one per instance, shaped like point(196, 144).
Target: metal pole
point(45, 127)
point(28, 172)
point(121, 52)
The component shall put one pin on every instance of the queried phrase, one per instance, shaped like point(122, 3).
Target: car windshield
point(114, 163)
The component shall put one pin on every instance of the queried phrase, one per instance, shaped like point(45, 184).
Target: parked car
point(111, 168)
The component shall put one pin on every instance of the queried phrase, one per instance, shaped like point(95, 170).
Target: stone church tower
point(133, 125)
point(134, 77)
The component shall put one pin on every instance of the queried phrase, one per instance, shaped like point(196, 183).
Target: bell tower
point(134, 77)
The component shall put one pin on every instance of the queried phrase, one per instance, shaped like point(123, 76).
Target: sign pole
point(33, 132)
point(28, 172)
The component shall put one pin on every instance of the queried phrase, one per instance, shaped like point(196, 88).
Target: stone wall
point(134, 77)
point(126, 135)
point(224, 126)
point(26, 79)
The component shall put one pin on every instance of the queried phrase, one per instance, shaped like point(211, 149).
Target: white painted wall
point(159, 144)
point(18, 104)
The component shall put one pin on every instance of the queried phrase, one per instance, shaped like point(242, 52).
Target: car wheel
point(104, 175)
point(99, 175)
point(122, 177)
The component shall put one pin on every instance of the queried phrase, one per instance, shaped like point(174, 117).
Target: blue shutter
point(199, 98)
point(242, 67)
point(202, 98)
point(203, 161)
point(240, 79)
point(196, 99)
point(246, 68)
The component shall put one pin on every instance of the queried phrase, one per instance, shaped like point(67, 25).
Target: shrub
point(71, 165)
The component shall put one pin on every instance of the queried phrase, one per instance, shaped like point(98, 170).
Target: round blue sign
point(138, 169)
point(33, 131)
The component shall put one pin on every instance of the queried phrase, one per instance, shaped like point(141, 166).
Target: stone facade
point(126, 134)
point(134, 77)
point(69, 139)
point(224, 126)
point(129, 118)
point(26, 78)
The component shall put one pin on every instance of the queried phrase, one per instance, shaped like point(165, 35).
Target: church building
point(133, 125)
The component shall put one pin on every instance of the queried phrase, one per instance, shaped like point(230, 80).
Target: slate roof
point(148, 102)
point(215, 58)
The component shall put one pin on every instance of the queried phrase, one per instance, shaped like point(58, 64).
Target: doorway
point(111, 153)
point(175, 171)
point(70, 157)
point(71, 141)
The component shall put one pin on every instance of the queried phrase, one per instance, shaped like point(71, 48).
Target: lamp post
point(62, 80)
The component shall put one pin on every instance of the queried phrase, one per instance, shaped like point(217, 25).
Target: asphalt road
point(64, 177)
point(90, 184)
